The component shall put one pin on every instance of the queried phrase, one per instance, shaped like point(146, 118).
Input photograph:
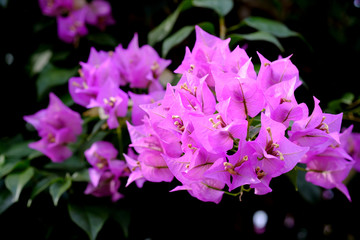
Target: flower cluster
point(105, 72)
point(57, 125)
point(73, 15)
point(224, 126)
point(106, 170)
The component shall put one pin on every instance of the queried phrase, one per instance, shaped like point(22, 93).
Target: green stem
point(222, 26)
point(119, 136)
point(300, 169)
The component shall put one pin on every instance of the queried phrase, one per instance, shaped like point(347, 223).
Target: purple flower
point(317, 131)
point(106, 170)
point(72, 26)
point(113, 101)
point(137, 114)
point(99, 69)
point(57, 125)
point(278, 71)
point(329, 169)
point(99, 14)
point(240, 93)
point(141, 67)
point(208, 50)
point(55, 7)
point(108, 185)
point(351, 144)
point(274, 152)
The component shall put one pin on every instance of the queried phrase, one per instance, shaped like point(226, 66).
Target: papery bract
point(72, 27)
point(57, 125)
point(277, 71)
point(55, 7)
point(140, 66)
point(99, 14)
point(113, 101)
point(329, 169)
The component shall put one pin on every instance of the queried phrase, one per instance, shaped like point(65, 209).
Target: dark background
point(329, 68)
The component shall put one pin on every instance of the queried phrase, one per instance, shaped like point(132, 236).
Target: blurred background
point(327, 58)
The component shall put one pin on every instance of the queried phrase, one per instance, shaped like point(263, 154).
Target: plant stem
point(222, 26)
point(119, 136)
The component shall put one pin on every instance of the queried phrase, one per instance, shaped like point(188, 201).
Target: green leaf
point(102, 39)
point(208, 27)
point(6, 199)
point(276, 28)
point(71, 164)
point(40, 186)
point(175, 39)
point(257, 36)
point(221, 7)
point(307, 190)
point(81, 176)
point(52, 76)
point(164, 28)
point(292, 175)
point(89, 218)
point(11, 165)
point(122, 216)
point(18, 150)
point(58, 188)
point(15, 182)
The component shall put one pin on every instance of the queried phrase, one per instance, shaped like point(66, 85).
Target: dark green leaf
point(103, 39)
point(58, 188)
point(257, 36)
point(40, 186)
point(292, 175)
point(221, 7)
point(89, 218)
point(52, 76)
point(81, 176)
point(6, 199)
point(276, 28)
point(11, 165)
point(15, 182)
point(18, 150)
point(164, 28)
point(307, 190)
point(72, 164)
point(208, 27)
point(122, 216)
point(175, 39)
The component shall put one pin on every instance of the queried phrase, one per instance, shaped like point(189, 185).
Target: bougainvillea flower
point(81, 92)
point(351, 143)
point(99, 14)
point(99, 67)
point(280, 70)
point(275, 153)
point(113, 101)
point(137, 113)
point(329, 169)
point(55, 7)
point(57, 125)
point(100, 154)
point(317, 131)
point(71, 27)
point(208, 50)
point(190, 169)
point(108, 185)
point(141, 67)
point(244, 96)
